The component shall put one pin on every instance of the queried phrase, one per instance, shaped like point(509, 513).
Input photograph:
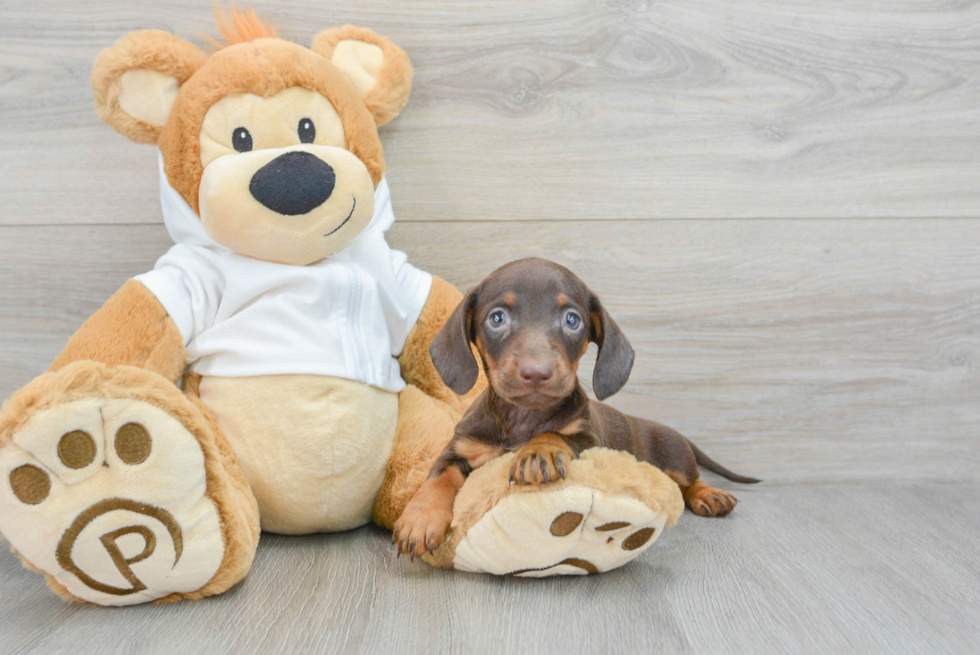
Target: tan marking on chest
point(575, 427)
point(476, 453)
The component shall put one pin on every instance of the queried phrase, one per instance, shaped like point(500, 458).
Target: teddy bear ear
point(136, 81)
point(379, 69)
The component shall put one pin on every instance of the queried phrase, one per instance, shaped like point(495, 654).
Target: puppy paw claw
point(421, 528)
point(541, 461)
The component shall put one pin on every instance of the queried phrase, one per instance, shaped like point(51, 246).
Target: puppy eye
point(241, 139)
point(306, 130)
point(573, 321)
point(497, 318)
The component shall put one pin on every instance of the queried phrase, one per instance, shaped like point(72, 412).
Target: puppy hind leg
point(673, 454)
point(705, 500)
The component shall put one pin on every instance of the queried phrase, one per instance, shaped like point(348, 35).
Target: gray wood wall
point(778, 200)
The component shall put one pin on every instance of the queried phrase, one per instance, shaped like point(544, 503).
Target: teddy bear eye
point(241, 139)
point(306, 130)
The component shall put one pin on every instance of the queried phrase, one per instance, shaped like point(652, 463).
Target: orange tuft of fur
point(241, 26)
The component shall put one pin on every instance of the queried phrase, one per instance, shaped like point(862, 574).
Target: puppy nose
point(293, 183)
point(535, 372)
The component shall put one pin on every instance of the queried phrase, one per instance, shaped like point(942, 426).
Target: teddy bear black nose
point(293, 183)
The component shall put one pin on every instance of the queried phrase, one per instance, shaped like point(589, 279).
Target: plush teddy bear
point(309, 402)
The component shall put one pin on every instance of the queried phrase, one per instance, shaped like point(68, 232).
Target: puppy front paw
point(543, 459)
point(422, 527)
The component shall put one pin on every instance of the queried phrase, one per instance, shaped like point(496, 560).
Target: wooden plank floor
point(828, 569)
point(776, 199)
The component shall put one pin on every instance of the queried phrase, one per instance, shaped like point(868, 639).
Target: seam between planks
point(491, 221)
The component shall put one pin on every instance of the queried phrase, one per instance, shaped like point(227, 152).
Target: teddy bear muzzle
point(293, 183)
point(293, 205)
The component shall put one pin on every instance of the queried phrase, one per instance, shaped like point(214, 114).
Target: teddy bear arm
point(416, 363)
point(132, 328)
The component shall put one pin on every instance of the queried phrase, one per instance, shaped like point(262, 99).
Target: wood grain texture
point(564, 108)
point(795, 351)
point(850, 568)
point(838, 359)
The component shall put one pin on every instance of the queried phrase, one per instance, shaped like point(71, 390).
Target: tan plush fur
point(148, 49)
point(394, 83)
point(263, 67)
point(416, 363)
point(242, 532)
point(131, 328)
point(427, 409)
point(225, 482)
point(289, 430)
point(425, 426)
point(610, 471)
point(252, 63)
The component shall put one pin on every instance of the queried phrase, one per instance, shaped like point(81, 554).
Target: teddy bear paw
point(108, 497)
point(575, 530)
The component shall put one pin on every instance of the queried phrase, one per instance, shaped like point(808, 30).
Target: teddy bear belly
point(315, 449)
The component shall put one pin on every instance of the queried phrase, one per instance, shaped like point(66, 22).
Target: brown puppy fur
point(531, 321)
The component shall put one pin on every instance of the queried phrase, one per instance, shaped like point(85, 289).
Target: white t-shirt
point(345, 316)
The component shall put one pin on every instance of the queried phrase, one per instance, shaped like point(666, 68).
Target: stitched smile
point(354, 198)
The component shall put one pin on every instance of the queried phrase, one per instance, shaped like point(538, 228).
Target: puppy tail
point(706, 462)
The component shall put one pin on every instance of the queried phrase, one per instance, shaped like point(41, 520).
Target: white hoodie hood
point(345, 316)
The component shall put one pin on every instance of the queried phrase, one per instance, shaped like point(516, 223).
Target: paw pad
point(574, 530)
point(566, 523)
point(133, 443)
point(76, 449)
point(30, 484)
point(109, 497)
point(638, 538)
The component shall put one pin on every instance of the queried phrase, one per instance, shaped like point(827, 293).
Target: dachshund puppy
point(531, 321)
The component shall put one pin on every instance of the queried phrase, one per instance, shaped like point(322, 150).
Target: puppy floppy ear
point(615, 359)
point(450, 349)
point(136, 81)
point(379, 69)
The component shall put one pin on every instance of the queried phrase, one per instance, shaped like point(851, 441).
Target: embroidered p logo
point(110, 541)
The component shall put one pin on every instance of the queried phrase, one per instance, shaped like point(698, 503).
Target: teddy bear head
point(274, 145)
